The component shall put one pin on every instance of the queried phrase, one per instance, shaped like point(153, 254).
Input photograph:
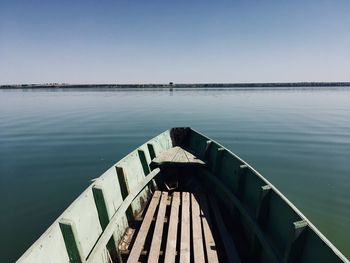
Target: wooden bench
point(193, 226)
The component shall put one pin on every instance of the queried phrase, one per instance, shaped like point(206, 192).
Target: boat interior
point(181, 197)
point(182, 220)
point(182, 223)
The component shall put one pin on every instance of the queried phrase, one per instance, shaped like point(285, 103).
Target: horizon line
point(172, 84)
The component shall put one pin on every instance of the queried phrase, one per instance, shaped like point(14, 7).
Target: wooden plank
point(123, 182)
point(217, 163)
point(230, 248)
point(211, 249)
point(104, 219)
point(233, 203)
point(261, 217)
point(198, 250)
point(176, 155)
point(241, 180)
point(70, 240)
point(114, 221)
point(151, 151)
point(207, 147)
point(143, 161)
point(185, 245)
point(142, 234)
point(167, 156)
point(263, 204)
point(124, 190)
point(170, 251)
point(181, 157)
point(296, 242)
point(147, 167)
point(158, 230)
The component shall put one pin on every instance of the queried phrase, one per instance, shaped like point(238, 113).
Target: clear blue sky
point(150, 41)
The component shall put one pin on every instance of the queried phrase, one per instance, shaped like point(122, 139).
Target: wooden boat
point(182, 197)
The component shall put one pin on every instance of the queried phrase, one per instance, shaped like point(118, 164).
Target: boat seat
point(179, 228)
point(176, 156)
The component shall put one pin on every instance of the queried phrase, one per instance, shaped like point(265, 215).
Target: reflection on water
point(52, 142)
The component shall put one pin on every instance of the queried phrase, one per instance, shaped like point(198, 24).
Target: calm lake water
point(53, 142)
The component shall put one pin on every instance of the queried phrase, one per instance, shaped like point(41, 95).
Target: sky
point(132, 41)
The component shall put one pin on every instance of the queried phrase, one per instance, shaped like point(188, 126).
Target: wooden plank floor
point(179, 227)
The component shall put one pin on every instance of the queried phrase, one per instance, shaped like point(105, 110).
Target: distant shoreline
point(182, 85)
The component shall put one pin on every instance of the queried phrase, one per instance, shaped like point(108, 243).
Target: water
point(52, 142)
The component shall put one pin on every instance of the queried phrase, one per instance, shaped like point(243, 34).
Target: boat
point(182, 197)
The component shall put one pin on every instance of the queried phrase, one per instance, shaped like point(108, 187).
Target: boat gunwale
point(110, 228)
point(104, 174)
point(75, 201)
point(283, 197)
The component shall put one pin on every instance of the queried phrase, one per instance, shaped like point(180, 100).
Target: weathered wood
point(168, 155)
point(207, 148)
point(70, 240)
point(261, 217)
point(176, 156)
point(229, 198)
point(181, 157)
point(158, 230)
point(51, 245)
point(124, 190)
point(295, 243)
point(104, 219)
point(151, 151)
point(263, 204)
point(170, 251)
point(197, 238)
point(243, 166)
point(241, 180)
point(108, 232)
point(143, 161)
point(142, 234)
point(230, 248)
point(123, 182)
point(125, 242)
point(147, 167)
point(211, 249)
point(185, 245)
point(218, 159)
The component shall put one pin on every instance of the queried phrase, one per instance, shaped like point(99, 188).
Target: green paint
point(110, 229)
point(143, 161)
point(241, 180)
point(151, 151)
point(125, 191)
point(261, 217)
point(298, 139)
point(70, 241)
point(123, 184)
point(295, 245)
point(231, 202)
point(218, 159)
point(104, 220)
point(207, 149)
point(286, 237)
point(263, 205)
point(266, 230)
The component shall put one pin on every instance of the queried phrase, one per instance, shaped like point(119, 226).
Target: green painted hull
point(265, 226)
